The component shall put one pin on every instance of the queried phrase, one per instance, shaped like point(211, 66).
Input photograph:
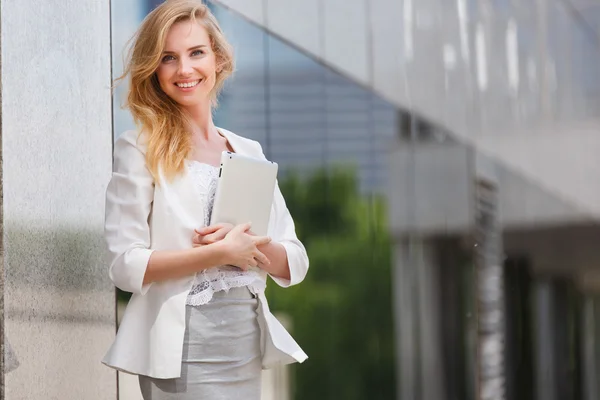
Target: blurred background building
point(439, 158)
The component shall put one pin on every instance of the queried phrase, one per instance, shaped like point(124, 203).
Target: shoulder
point(129, 154)
point(131, 140)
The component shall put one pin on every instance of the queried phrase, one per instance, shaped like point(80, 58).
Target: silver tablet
point(245, 191)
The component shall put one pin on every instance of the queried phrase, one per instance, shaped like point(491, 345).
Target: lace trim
point(210, 281)
point(205, 179)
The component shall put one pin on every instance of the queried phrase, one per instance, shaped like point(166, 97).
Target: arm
point(129, 199)
point(237, 248)
point(289, 261)
point(277, 255)
point(274, 256)
point(164, 265)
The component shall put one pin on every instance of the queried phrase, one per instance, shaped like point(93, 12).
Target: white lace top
point(224, 277)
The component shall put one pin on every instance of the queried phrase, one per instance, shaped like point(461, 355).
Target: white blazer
point(141, 218)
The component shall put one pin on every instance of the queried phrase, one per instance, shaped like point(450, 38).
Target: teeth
point(188, 85)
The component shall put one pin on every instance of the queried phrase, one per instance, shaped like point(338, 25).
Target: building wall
point(59, 305)
point(465, 63)
point(491, 73)
point(431, 192)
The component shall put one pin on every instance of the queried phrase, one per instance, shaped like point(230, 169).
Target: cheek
point(212, 77)
point(208, 68)
point(163, 76)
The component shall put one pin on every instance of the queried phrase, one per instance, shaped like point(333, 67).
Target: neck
point(201, 121)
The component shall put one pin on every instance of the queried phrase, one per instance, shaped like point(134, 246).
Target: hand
point(210, 234)
point(241, 248)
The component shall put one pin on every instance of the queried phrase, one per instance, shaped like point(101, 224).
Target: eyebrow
point(190, 49)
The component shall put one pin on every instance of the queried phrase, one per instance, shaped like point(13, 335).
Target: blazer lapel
point(238, 144)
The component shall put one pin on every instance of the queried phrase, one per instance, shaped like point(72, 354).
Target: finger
point(208, 229)
point(225, 225)
point(259, 240)
point(197, 239)
point(218, 235)
point(208, 239)
point(248, 226)
point(261, 258)
point(240, 228)
point(213, 237)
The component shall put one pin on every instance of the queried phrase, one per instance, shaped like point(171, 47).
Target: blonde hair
point(155, 113)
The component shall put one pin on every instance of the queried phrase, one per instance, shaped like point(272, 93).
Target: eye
point(197, 52)
point(168, 58)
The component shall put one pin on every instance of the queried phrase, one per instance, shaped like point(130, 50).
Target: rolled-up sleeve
point(283, 230)
point(129, 199)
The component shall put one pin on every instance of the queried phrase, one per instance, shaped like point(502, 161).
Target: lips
point(187, 85)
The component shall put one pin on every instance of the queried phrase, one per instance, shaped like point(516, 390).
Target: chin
point(192, 102)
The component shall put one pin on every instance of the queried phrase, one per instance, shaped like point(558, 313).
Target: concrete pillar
point(432, 373)
point(490, 294)
point(544, 341)
point(403, 275)
point(589, 349)
point(417, 316)
point(59, 305)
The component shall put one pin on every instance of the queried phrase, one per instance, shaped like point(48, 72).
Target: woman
point(198, 325)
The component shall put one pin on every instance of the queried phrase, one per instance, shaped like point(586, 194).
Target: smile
point(188, 84)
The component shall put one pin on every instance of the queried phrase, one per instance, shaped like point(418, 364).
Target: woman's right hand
point(241, 248)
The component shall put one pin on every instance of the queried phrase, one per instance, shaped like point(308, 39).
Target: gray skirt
point(221, 352)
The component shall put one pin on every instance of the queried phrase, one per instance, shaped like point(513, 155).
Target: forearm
point(173, 264)
point(276, 253)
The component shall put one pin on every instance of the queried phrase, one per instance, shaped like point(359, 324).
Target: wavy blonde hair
point(156, 114)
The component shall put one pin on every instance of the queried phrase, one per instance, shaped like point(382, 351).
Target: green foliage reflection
point(342, 312)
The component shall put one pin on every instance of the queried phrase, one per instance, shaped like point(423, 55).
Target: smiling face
point(188, 67)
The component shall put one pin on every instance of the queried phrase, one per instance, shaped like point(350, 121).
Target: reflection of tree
point(342, 312)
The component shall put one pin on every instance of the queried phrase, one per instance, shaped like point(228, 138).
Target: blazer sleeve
point(282, 230)
point(129, 199)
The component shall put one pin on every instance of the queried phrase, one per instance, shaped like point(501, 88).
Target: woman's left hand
point(275, 252)
point(210, 234)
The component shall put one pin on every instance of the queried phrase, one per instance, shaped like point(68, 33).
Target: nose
point(184, 67)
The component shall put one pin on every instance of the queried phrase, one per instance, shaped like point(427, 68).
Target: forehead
point(185, 34)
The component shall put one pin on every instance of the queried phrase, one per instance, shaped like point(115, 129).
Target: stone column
point(59, 305)
point(417, 316)
point(544, 340)
point(490, 289)
point(589, 348)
